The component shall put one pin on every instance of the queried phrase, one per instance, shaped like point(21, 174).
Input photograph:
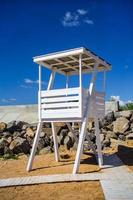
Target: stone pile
point(17, 137)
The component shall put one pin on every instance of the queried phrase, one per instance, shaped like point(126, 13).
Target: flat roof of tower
point(67, 62)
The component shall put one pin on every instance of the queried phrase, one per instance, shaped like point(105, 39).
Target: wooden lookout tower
point(75, 104)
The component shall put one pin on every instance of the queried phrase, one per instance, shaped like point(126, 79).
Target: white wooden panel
point(60, 99)
point(60, 92)
point(63, 113)
point(60, 105)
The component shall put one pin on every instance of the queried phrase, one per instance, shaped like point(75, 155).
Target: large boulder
point(126, 113)
point(68, 142)
point(111, 134)
point(30, 132)
point(121, 125)
point(11, 126)
point(20, 145)
point(45, 150)
point(2, 127)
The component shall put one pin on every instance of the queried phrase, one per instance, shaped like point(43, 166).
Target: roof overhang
point(67, 62)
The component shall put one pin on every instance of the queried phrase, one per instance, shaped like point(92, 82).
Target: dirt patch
point(90, 190)
point(45, 164)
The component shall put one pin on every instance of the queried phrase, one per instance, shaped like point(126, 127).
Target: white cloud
point(30, 81)
point(73, 19)
point(82, 11)
point(8, 100)
point(70, 19)
point(88, 21)
point(25, 86)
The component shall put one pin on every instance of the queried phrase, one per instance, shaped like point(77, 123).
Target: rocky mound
point(17, 137)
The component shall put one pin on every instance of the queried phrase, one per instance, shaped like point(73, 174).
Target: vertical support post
point(84, 123)
point(50, 86)
point(39, 93)
point(97, 132)
point(55, 142)
point(80, 85)
point(104, 81)
point(51, 80)
point(67, 79)
point(36, 139)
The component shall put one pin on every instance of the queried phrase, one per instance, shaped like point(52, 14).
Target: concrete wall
point(28, 113)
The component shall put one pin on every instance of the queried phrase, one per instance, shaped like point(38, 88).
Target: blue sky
point(31, 28)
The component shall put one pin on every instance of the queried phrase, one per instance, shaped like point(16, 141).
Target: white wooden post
point(80, 84)
point(36, 139)
point(50, 86)
point(51, 80)
point(104, 81)
point(56, 150)
point(67, 79)
point(84, 124)
point(97, 132)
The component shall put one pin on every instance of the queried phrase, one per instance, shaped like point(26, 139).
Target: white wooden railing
point(65, 104)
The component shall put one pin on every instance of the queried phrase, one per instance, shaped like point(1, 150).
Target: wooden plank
point(60, 99)
point(60, 92)
point(64, 113)
point(60, 105)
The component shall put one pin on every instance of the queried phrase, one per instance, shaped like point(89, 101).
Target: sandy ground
point(59, 191)
point(45, 164)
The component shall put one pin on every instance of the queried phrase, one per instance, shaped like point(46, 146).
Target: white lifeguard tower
point(71, 104)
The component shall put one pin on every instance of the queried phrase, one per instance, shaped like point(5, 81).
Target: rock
point(92, 137)
point(30, 132)
point(33, 126)
point(106, 143)
point(9, 139)
point(122, 137)
point(6, 134)
point(68, 142)
point(20, 145)
point(47, 131)
point(110, 117)
point(64, 132)
point(43, 142)
point(3, 144)
point(117, 115)
point(2, 127)
point(11, 126)
point(19, 125)
point(111, 134)
point(110, 127)
point(61, 139)
point(16, 134)
point(129, 136)
point(59, 124)
point(90, 125)
point(126, 113)
point(42, 134)
point(120, 125)
point(70, 134)
point(45, 150)
point(46, 125)
point(102, 137)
